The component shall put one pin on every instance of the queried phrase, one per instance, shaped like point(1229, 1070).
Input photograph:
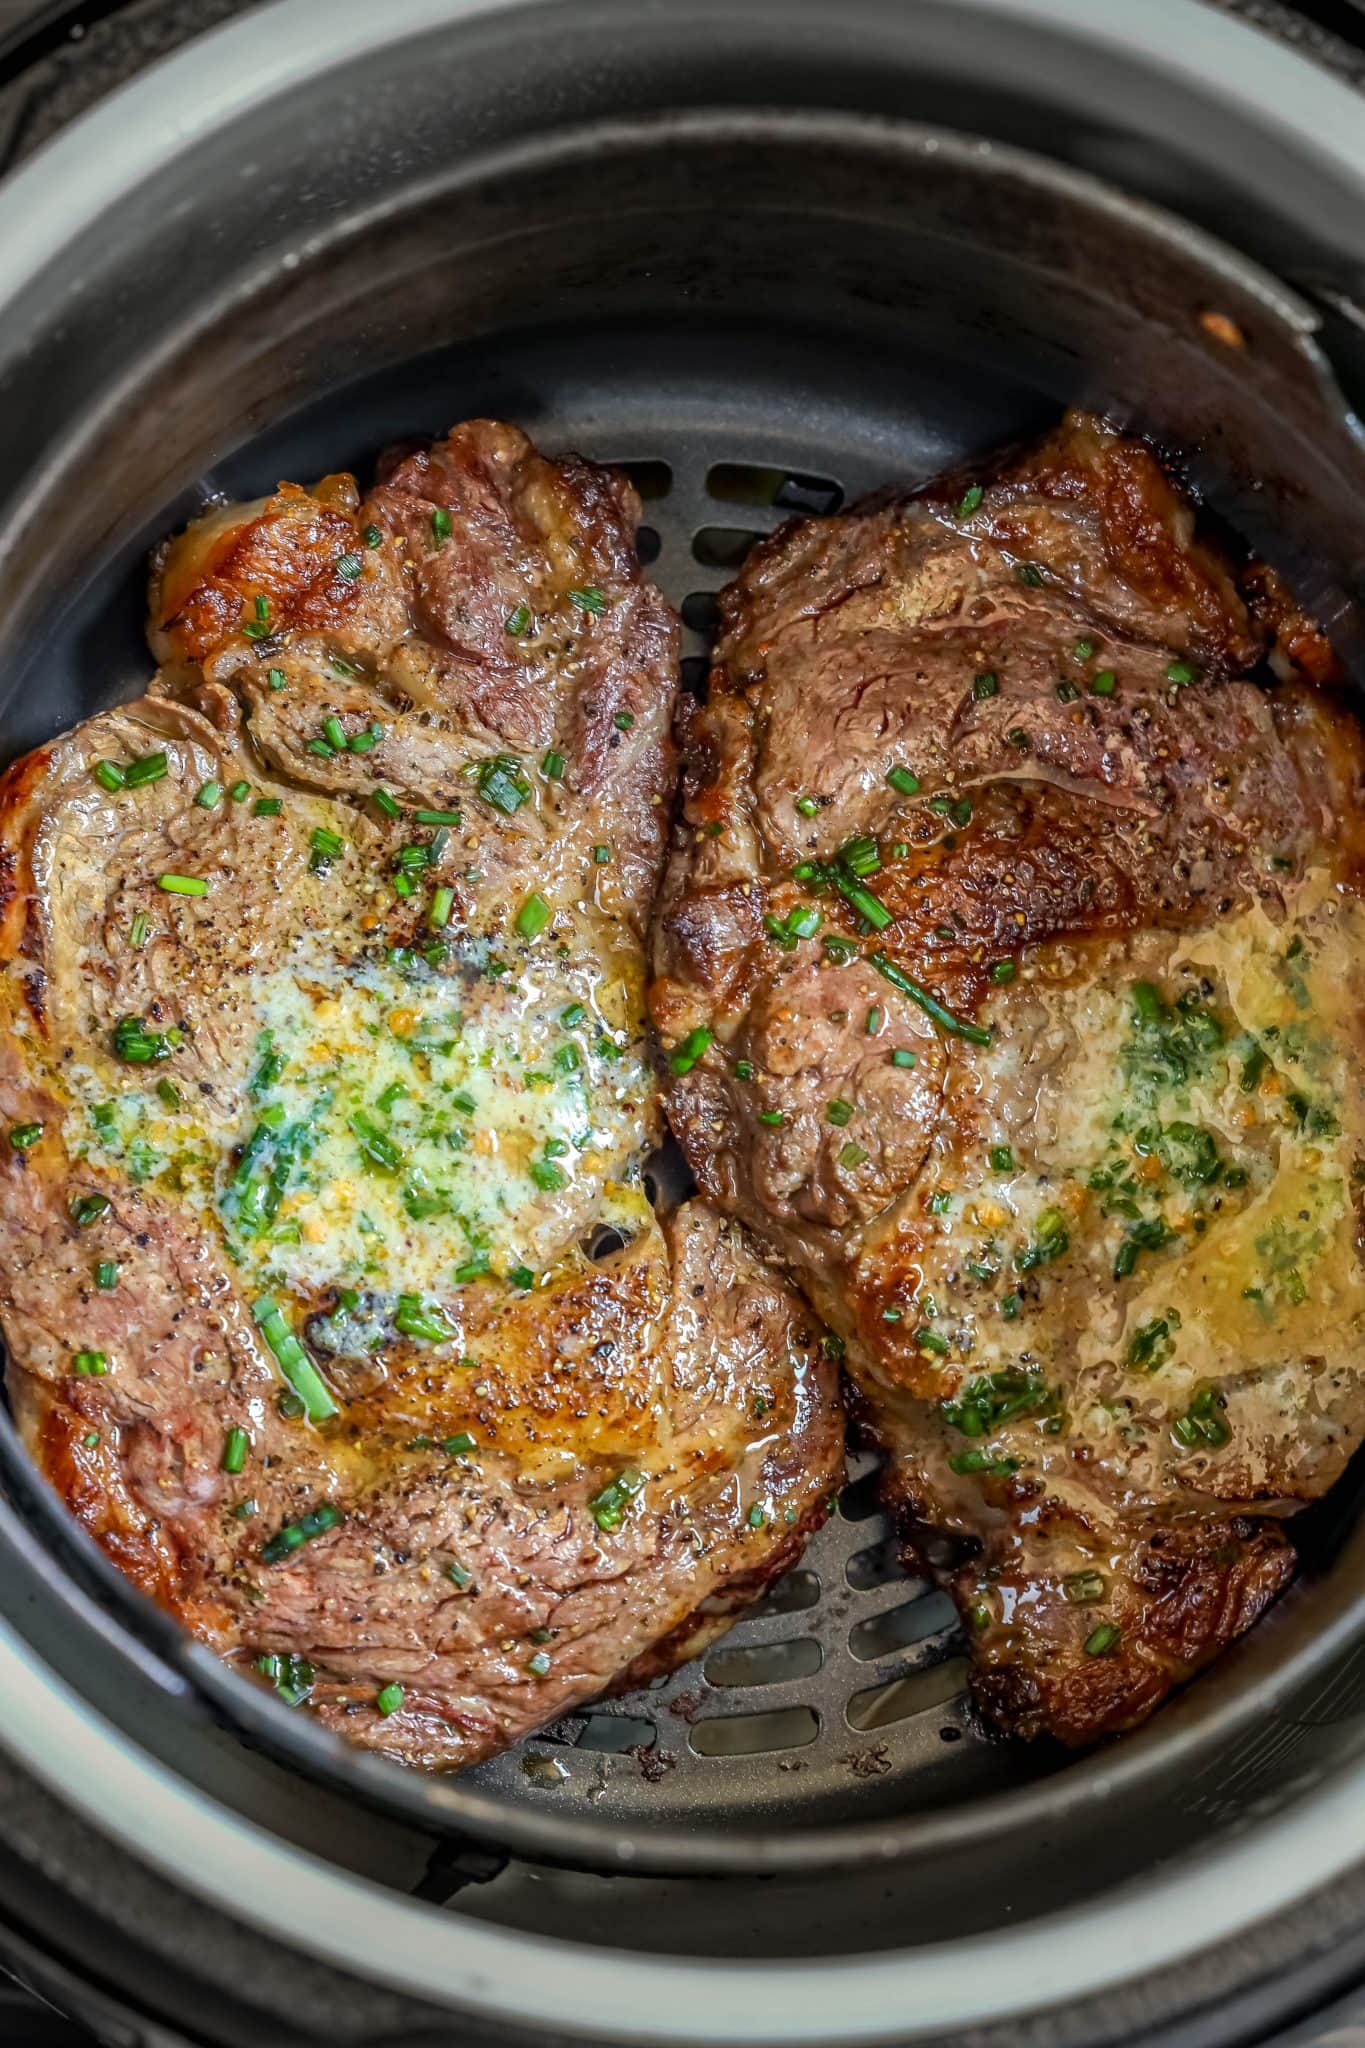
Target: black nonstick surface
point(840, 1699)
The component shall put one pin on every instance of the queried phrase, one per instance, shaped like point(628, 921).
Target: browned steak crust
point(1020, 930)
point(547, 1468)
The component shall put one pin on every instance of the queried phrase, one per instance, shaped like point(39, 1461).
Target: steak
point(1013, 935)
point(336, 1307)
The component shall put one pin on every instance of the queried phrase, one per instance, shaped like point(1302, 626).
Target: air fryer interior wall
point(571, 216)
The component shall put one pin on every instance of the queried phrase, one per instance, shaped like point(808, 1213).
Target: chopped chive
point(803, 922)
point(363, 742)
point(601, 855)
point(1001, 1158)
point(382, 801)
point(987, 684)
point(306, 1529)
point(1101, 1640)
point(325, 846)
point(1084, 650)
point(861, 899)
point(903, 779)
point(931, 1340)
point(91, 1439)
point(624, 720)
point(975, 1034)
point(322, 748)
point(389, 1699)
point(1066, 692)
point(239, 792)
point(1003, 971)
point(1103, 684)
point(547, 1176)
point(267, 807)
point(1030, 573)
point(442, 902)
point(522, 1276)
point(334, 732)
point(472, 1269)
point(1182, 672)
point(534, 915)
point(349, 566)
point(873, 1023)
point(808, 806)
point(276, 678)
point(770, 1116)
point(106, 1276)
point(969, 501)
point(686, 1055)
point(517, 622)
point(539, 1664)
point(137, 931)
point(458, 1576)
point(851, 1155)
point(839, 1112)
point(183, 885)
point(22, 1136)
point(588, 598)
point(744, 1070)
point(91, 1364)
point(235, 1446)
point(442, 526)
point(109, 774)
point(403, 885)
point(147, 768)
point(373, 536)
point(87, 1209)
point(423, 1321)
point(298, 1368)
point(500, 783)
point(572, 1014)
point(553, 766)
point(903, 1057)
point(168, 1092)
point(608, 1506)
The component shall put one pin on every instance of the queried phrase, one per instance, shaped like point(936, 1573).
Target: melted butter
point(1228, 1166)
point(397, 1126)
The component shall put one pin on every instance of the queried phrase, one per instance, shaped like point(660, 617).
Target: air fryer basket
point(756, 309)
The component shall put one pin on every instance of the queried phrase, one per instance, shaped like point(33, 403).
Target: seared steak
point(1013, 934)
point(336, 1307)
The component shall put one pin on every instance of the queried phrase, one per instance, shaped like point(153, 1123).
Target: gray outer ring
point(354, 1924)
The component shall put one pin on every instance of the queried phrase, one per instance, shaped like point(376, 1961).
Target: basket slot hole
point(914, 1621)
point(701, 611)
point(796, 1594)
point(753, 1734)
point(748, 483)
point(881, 1705)
point(764, 1663)
point(651, 479)
point(861, 1499)
point(723, 547)
point(694, 670)
point(879, 1566)
point(648, 545)
point(614, 1734)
